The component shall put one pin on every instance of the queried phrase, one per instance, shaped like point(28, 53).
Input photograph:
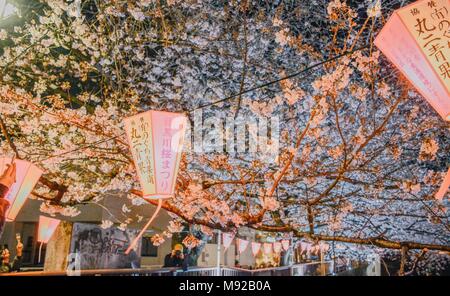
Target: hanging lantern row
point(156, 141)
point(242, 245)
point(310, 248)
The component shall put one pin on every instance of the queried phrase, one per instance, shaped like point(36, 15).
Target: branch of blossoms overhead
point(68, 80)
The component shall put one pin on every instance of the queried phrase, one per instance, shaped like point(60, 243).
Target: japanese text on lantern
point(429, 23)
point(166, 156)
point(140, 139)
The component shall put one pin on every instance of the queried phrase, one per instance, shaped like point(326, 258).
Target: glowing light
point(412, 40)
point(156, 142)
point(27, 175)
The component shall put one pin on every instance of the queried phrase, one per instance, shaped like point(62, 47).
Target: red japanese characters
point(156, 142)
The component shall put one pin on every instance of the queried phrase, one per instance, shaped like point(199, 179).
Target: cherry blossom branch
point(254, 223)
point(60, 189)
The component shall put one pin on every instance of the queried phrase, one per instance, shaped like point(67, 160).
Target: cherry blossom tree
point(361, 153)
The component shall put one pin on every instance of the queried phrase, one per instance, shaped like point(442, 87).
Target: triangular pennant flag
point(242, 245)
point(255, 248)
point(277, 247)
point(285, 244)
point(267, 248)
point(227, 239)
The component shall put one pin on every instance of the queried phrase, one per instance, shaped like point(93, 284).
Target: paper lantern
point(444, 187)
point(277, 247)
point(47, 227)
point(227, 239)
point(267, 247)
point(285, 244)
point(415, 39)
point(242, 245)
point(27, 175)
point(156, 142)
point(255, 248)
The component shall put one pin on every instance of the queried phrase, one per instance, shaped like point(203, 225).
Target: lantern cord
point(134, 242)
point(40, 251)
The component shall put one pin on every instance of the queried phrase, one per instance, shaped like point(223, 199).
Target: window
point(148, 249)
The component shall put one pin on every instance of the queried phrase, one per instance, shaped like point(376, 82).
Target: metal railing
point(306, 269)
point(313, 269)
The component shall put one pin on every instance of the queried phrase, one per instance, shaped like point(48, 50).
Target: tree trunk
point(404, 257)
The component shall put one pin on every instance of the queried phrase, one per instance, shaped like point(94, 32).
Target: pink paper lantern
point(227, 239)
point(47, 227)
point(267, 247)
point(285, 244)
point(242, 245)
point(27, 175)
point(156, 142)
point(415, 39)
point(444, 187)
point(255, 248)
